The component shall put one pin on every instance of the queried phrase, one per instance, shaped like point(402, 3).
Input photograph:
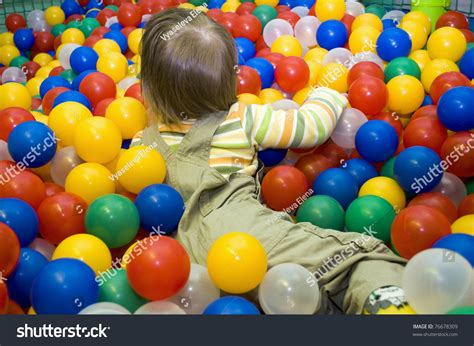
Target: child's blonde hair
point(188, 65)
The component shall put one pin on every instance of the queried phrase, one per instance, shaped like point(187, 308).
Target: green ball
point(387, 168)
point(371, 215)
point(73, 24)
point(242, 1)
point(402, 66)
point(88, 25)
point(322, 211)
point(470, 186)
point(264, 14)
point(18, 61)
point(470, 45)
point(197, 2)
point(112, 7)
point(58, 29)
point(463, 310)
point(378, 10)
point(114, 288)
point(114, 219)
point(68, 75)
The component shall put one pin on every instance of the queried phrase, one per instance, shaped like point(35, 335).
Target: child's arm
point(310, 125)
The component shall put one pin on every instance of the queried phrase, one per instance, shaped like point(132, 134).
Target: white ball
point(104, 308)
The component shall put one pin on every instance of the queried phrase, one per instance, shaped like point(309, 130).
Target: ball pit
point(70, 73)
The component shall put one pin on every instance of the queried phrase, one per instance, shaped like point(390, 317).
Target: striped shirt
point(250, 128)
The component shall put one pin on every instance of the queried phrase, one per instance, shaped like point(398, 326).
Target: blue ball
point(388, 23)
point(95, 4)
point(466, 64)
point(338, 184)
point(76, 83)
point(92, 13)
point(306, 3)
point(231, 305)
point(116, 27)
point(393, 43)
point(21, 280)
point(331, 34)
point(142, 25)
point(265, 71)
point(461, 243)
point(126, 143)
point(160, 208)
point(216, 4)
point(376, 141)
point(289, 3)
point(427, 101)
point(83, 59)
point(361, 170)
point(32, 143)
point(119, 38)
point(241, 60)
point(21, 218)
point(417, 169)
point(24, 39)
point(245, 48)
point(72, 96)
point(456, 108)
point(272, 157)
point(71, 7)
point(64, 286)
point(51, 83)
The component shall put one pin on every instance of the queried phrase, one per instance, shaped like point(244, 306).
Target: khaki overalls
point(348, 266)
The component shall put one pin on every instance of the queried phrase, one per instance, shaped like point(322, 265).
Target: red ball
point(3, 298)
point(105, 14)
point(417, 228)
point(10, 118)
point(282, 8)
point(392, 118)
point(438, 201)
point(73, 18)
point(446, 81)
point(333, 152)
point(245, 8)
point(61, 216)
point(21, 184)
point(98, 86)
point(30, 68)
point(290, 17)
point(101, 107)
point(454, 19)
point(15, 21)
point(263, 53)
point(275, 59)
point(57, 42)
point(44, 42)
point(260, 44)
point(425, 111)
point(312, 165)
point(248, 81)
point(127, 30)
point(228, 20)
point(365, 68)
point(468, 34)
point(368, 94)
point(135, 91)
point(161, 268)
point(9, 250)
point(91, 41)
point(52, 189)
point(247, 26)
point(467, 205)
point(347, 20)
point(56, 71)
point(100, 31)
point(146, 6)
point(292, 74)
point(427, 132)
point(35, 103)
point(283, 186)
point(50, 96)
point(215, 14)
point(129, 15)
point(456, 150)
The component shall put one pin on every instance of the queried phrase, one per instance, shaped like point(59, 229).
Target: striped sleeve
point(137, 139)
point(310, 125)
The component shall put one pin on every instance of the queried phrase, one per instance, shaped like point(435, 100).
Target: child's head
point(188, 65)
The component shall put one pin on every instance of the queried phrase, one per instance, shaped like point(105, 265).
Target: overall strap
point(152, 136)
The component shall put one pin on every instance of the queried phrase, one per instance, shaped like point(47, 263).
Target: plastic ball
point(289, 288)
point(54, 15)
point(434, 68)
point(160, 308)
point(15, 21)
point(455, 108)
point(161, 270)
point(330, 9)
point(231, 305)
point(462, 244)
point(327, 181)
point(64, 119)
point(265, 70)
point(445, 82)
point(114, 65)
point(97, 87)
point(10, 118)
point(446, 43)
point(402, 66)
point(331, 34)
point(10, 250)
point(363, 39)
point(134, 40)
point(466, 63)
point(272, 157)
point(8, 53)
point(386, 188)
point(393, 43)
point(467, 205)
point(376, 141)
point(64, 286)
point(360, 169)
point(14, 95)
point(452, 187)
point(83, 59)
point(24, 39)
point(119, 38)
point(367, 19)
point(21, 218)
point(425, 131)
point(333, 76)
point(418, 17)
point(104, 308)
point(368, 94)
point(129, 15)
point(322, 211)
point(63, 162)
point(264, 14)
point(287, 45)
point(418, 33)
point(348, 125)
point(248, 81)
point(128, 114)
point(464, 225)
point(456, 145)
point(312, 165)
point(405, 94)
point(447, 277)
point(237, 262)
point(292, 74)
point(276, 28)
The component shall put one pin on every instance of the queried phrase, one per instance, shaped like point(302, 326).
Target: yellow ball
point(43, 72)
point(418, 17)
point(237, 262)
point(417, 33)
point(43, 59)
point(405, 94)
point(72, 35)
point(64, 119)
point(129, 114)
point(89, 181)
point(8, 53)
point(316, 54)
point(40, 117)
point(187, 6)
point(287, 45)
point(464, 224)
point(367, 19)
point(330, 9)
point(421, 57)
point(447, 43)
point(302, 95)
point(229, 6)
point(386, 188)
point(87, 248)
point(314, 69)
point(127, 256)
point(6, 39)
point(134, 40)
point(112, 167)
point(14, 95)
point(334, 76)
point(31, 311)
point(363, 40)
point(114, 65)
point(272, 3)
point(97, 139)
point(33, 85)
point(54, 15)
point(249, 99)
point(139, 167)
point(270, 95)
point(434, 68)
point(105, 46)
point(54, 63)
